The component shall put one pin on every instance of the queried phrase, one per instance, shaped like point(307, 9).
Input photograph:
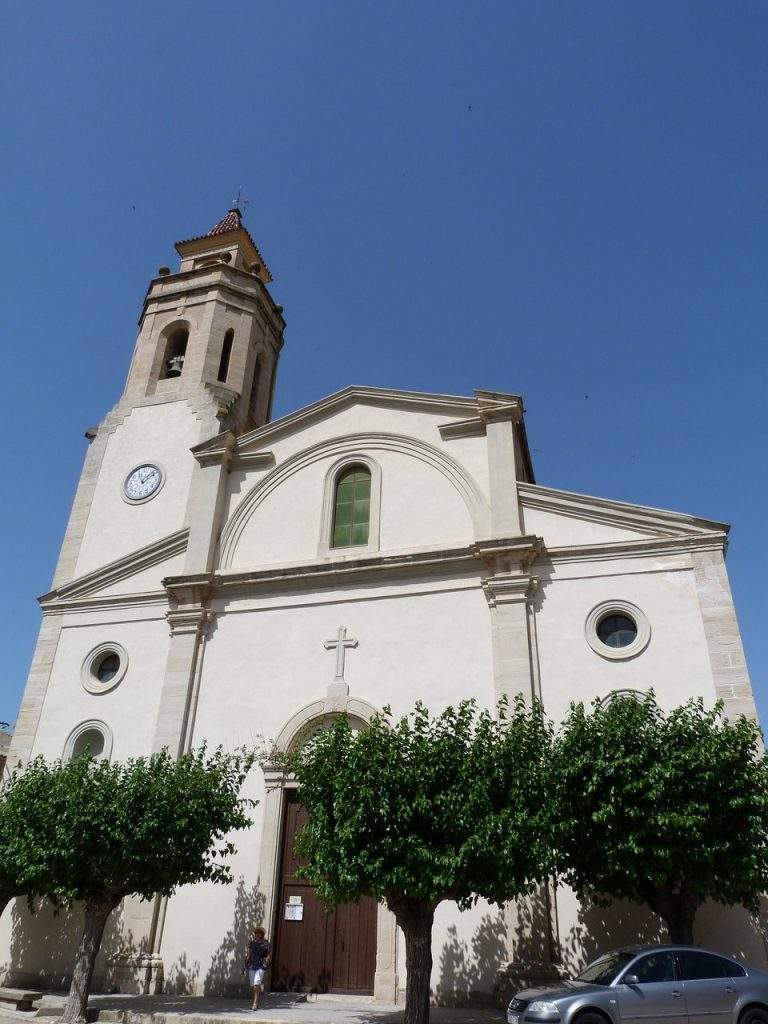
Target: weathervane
point(238, 201)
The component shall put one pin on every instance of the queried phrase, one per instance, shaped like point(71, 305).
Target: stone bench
point(18, 998)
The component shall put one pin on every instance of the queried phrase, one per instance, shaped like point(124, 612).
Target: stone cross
point(340, 645)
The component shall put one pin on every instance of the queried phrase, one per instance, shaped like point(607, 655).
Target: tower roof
point(230, 223)
point(233, 221)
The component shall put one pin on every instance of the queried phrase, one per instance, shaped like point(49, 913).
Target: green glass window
point(352, 507)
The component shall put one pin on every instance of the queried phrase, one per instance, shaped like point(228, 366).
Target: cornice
point(643, 518)
point(473, 558)
point(202, 279)
point(491, 407)
point(714, 541)
point(505, 556)
point(147, 598)
point(122, 568)
point(224, 449)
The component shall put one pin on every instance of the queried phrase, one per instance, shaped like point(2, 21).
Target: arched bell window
point(352, 507)
point(226, 355)
point(175, 353)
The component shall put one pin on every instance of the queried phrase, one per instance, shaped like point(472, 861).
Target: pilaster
point(721, 629)
point(205, 504)
point(188, 621)
point(34, 693)
point(500, 419)
point(509, 588)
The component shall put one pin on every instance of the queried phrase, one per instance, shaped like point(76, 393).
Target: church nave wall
point(129, 709)
point(419, 507)
point(674, 662)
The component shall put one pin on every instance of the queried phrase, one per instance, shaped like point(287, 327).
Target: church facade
point(230, 578)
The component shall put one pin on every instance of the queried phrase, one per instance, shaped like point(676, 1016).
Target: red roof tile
point(232, 222)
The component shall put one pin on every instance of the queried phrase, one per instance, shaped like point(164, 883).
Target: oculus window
point(352, 508)
point(91, 739)
point(104, 667)
point(617, 630)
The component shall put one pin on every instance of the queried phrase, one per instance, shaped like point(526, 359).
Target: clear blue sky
point(565, 200)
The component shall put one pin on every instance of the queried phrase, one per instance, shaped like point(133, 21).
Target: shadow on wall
point(224, 976)
point(468, 969)
point(729, 930)
point(733, 931)
point(43, 946)
point(600, 929)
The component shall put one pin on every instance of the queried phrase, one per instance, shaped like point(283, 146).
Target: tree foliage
point(27, 867)
point(427, 809)
point(99, 831)
point(667, 809)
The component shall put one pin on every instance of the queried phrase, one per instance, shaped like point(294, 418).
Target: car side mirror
point(631, 979)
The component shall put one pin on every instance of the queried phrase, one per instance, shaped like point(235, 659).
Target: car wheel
point(754, 1015)
point(590, 1017)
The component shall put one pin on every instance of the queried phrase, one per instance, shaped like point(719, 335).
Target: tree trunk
point(97, 912)
point(415, 917)
point(677, 906)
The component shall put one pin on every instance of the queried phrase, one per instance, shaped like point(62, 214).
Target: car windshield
point(603, 970)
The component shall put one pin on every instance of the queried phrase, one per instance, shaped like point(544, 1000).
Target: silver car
point(651, 985)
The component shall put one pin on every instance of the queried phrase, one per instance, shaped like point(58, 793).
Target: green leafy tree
point(669, 810)
point(423, 810)
point(25, 867)
point(105, 830)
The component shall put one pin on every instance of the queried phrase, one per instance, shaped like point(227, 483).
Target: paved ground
point(276, 1008)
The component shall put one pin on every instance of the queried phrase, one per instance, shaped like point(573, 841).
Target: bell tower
point(211, 332)
point(204, 365)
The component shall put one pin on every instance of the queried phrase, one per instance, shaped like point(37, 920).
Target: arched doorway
point(350, 949)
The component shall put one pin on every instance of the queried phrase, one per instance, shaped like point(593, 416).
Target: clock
point(143, 483)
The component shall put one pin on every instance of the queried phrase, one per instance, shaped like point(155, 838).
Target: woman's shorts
point(255, 977)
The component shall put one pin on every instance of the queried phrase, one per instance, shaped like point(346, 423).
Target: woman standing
point(257, 958)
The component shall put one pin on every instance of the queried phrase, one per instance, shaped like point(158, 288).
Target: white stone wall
point(130, 709)
point(154, 433)
point(675, 663)
point(423, 633)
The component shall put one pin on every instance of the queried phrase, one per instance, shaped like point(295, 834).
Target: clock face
point(142, 482)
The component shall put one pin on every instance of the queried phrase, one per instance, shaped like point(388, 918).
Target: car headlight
point(542, 1006)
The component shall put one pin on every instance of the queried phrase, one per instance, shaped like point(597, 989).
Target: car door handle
point(676, 993)
point(730, 989)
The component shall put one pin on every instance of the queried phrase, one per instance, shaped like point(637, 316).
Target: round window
point(89, 739)
point(617, 630)
point(90, 742)
point(108, 667)
point(104, 667)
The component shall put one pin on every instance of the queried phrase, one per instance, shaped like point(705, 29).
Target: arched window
point(226, 353)
point(175, 353)
point(253, 400)
point(352, 507)
point(93, 738)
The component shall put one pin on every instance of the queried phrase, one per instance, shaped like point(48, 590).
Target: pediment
point(132, 574)
point(569, 519)
point(465, 413)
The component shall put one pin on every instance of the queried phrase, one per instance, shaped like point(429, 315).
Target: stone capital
point(508, 555)
point(509, 588)
point(189, 620)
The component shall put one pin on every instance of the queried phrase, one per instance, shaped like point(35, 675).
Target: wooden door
point(322, 952)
